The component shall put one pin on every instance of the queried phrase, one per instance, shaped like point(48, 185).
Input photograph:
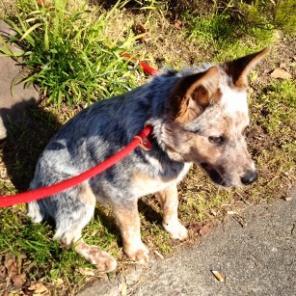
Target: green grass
point(278, 106)
point(226, 38)
point(68, 52)
point(44, 258)
point(73, 53)
point(234, 28)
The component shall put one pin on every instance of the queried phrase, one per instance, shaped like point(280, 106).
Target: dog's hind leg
point(74, 211)
point(169, 201)
point(102, 260)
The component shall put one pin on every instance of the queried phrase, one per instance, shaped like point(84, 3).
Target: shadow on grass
point(175, 8)
point(149, 213)
point(29, 129)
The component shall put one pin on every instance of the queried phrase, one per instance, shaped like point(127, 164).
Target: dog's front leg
point(128, 220)
point(169, 201)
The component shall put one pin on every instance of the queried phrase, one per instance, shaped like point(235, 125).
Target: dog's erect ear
point(193, 94)
point(239, 69)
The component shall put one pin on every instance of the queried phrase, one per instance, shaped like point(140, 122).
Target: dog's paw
point(34, 212)
point(140, 254)
point(176, 230)
point(102, 260)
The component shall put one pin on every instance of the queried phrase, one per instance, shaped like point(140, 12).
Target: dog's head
point(206, 118)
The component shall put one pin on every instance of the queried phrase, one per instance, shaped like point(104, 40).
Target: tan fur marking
point(129, 225)
point(144, 184)
point(169, 201)
point(86, 194)
point(128, 221)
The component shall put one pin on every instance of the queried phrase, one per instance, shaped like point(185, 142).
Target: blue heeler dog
point(198, 115)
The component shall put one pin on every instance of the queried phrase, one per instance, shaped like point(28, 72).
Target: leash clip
point(145, 143)
point(143, 138)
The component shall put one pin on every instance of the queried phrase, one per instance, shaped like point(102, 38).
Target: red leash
point(40, 193)
point(147, 69)
point(139, 140)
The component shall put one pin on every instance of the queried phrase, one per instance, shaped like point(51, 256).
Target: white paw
point(34, 212)
point(176, 230)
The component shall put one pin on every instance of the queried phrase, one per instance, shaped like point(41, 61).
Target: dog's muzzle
point(213, 174)
point(249, 177)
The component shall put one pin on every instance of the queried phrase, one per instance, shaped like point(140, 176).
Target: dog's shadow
point(109, 223)
point(28, 128)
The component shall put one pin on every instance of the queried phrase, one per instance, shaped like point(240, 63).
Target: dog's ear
point(239, 69)
point(192, 94)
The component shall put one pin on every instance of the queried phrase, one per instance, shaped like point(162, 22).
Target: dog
point(198, 115)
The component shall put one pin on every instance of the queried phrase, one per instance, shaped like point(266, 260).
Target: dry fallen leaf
point(178, 24)
point(38, 289)
point(213, 212)
point(58, 282)
point(123, 289)
point(288, 198)
point(158, 254)
point(280, 73)
point(218, 275)
point(18, 280)
point(11, 265)
point(139, 29)
point(201, 229)
point(232, 213)
point(2, 272)
point(87, 271)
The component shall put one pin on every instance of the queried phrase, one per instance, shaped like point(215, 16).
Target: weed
point(278, 106)
point(283, 17)
point(68, 53)
point(226, 37)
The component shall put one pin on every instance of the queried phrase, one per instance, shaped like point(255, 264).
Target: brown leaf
point(178, 24)
point(2, 272)
point(11, 265)
point(201, 229)
point(38, 289)
point(139, 29)
point(18, 280)
point(287, 198)
point(218, 275)
point(280, 73)
point(87, 271)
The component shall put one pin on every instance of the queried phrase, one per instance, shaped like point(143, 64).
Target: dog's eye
point(217, 140)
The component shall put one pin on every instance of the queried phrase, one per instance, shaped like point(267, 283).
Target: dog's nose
point(249, 177)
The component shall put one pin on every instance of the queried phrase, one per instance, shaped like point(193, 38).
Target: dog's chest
point(144, 184)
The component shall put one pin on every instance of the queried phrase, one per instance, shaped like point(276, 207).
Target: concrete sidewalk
point(14, 96)
point(257, 259)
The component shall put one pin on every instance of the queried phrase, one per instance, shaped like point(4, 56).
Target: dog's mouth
point(213, 174)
